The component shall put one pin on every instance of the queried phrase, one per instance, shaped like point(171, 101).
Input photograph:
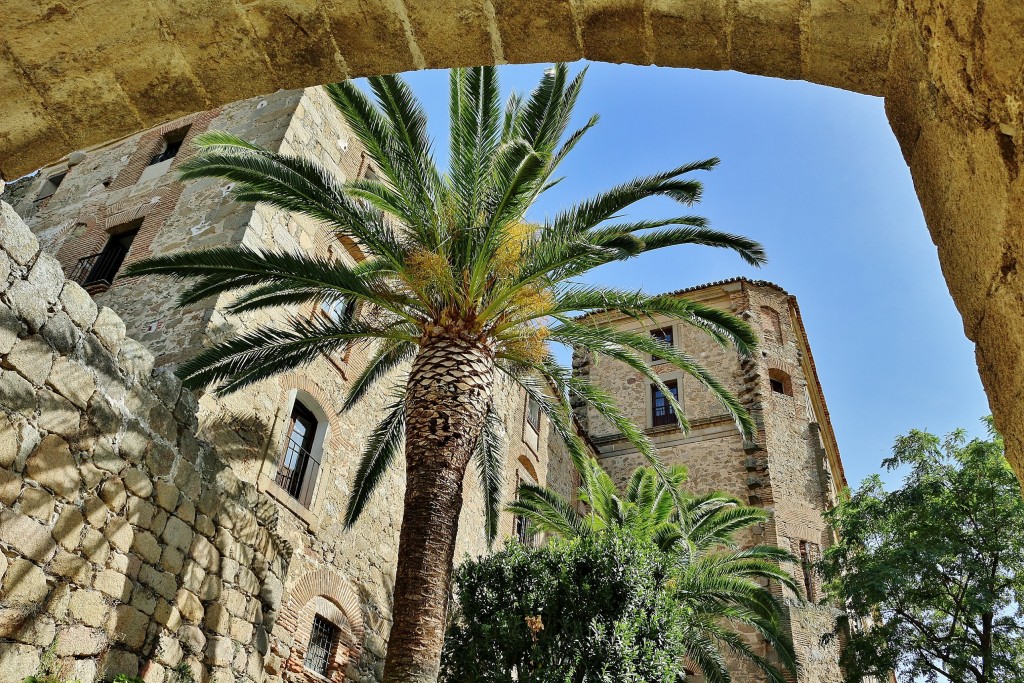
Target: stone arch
point(950, 75)
point(302, 384)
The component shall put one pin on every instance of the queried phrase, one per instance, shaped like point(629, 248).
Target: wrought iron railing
point(292, 470)
point(100, 268)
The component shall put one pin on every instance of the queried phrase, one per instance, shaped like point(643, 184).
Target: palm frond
point(384, 443)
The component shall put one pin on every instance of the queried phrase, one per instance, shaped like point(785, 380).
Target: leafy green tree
point(597, 609)
point(716, 586)
point(931, 572)
point(457, 288)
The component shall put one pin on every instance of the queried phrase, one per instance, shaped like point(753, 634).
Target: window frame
point(324, 628)
point(303, 493)
point(62, 175)
point(659, 333)
point(670, 419)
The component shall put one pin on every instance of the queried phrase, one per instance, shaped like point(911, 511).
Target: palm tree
point(457, 288)
point(718, 583)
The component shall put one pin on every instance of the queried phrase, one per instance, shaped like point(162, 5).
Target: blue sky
point(816, 175)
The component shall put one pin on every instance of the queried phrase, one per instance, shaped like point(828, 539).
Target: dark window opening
point(323, 638)
point(533, 413)
point(50, 185)
point(780, 382)
point(665, 336)
point(661, 410)
point(102, 268)
point(523, 531)
point(299, 465)
point(806, 565)
point(171, 146)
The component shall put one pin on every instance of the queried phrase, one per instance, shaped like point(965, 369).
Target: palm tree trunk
point(449, 390)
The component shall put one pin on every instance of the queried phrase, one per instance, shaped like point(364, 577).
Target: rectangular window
point(297, 470)
point(102, 268)
point(662, 412)
point(807, 565)
point(665, 336)
point(523, 532)
point(533, 413)
point(322, 639)
point(777, 386)
point(50, 185)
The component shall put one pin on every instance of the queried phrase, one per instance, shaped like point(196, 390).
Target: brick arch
point(335, 589)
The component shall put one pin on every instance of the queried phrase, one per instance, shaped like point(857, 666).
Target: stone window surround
point(150, 143)
point(656, 328)
point(311, 396)
point(648, 402)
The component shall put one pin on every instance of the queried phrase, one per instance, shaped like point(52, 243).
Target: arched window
point(780, 382)
point(771, 324)
point(299, 464)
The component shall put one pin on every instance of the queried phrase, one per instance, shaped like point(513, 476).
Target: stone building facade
point(268, 585)
point(792, 466)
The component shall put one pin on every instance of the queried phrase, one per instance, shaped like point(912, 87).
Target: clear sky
point(816, 175)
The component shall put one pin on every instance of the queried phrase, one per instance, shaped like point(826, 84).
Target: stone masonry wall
point(126, 545)
point(784, 470)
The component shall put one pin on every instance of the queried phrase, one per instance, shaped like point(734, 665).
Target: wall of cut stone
point(785, 470)
point(126, 545)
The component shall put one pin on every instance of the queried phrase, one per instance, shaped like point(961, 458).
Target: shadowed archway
point(77, 74)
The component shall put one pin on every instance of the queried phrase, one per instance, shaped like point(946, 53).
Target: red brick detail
point(150, 142)
point(329, 595)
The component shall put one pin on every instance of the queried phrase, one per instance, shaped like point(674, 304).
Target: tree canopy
point(930, 572)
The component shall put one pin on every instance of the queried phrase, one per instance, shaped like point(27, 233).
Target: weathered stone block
point(163, 583)
point(10, 487)
point(15, 237)
point(204, 553)
point(37, 503)
point(19, 394)
point(138, 483)
point(159, 459)
point(67, 530)
point(10, 329)
point(52, 465)
point(144, 600)
point(59, 331)
point(110, 329)
point(71, 566)
point(177, 534)
point(28, 304)
point(25, 535)
point(47, 277)
point(116, 662)
point(167, 615)
point(32, 358)
point(146, 546)
point(80, 641)
point(128, 626)
point(96, 511)
point(172, 559)
point(22, 625)
point(166, 495)
point(72, 381)
point(113, 494)
point(218, 619)
point(78, 305)
point(189, 605)
point(57, 414)
point(119, 533)
point(18, 661)
point(88, 606)
point(135, 359)
point(95, 546)
point(220, 651)
point(117, 586)
point(24, 584)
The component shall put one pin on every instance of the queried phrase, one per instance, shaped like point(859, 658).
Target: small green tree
point(933, 567)
point(593, 609)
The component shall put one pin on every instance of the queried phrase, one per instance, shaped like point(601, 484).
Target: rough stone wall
point(126, 545)
point(785, 470)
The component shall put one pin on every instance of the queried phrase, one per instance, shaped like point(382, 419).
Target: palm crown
point(451, 253)
point(719, 583)
point(457, 287)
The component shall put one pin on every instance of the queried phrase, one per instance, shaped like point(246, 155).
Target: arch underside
point(76, 75)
